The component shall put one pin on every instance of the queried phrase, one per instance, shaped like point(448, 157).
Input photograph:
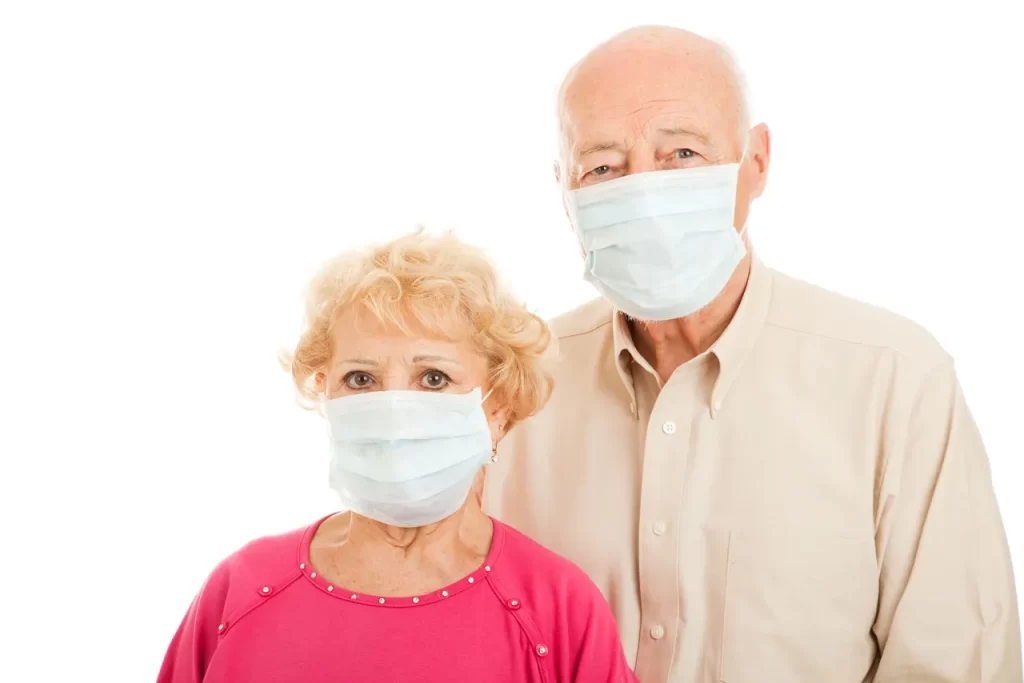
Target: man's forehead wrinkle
point(643, 111)
point(695, 85)
point(650, 103)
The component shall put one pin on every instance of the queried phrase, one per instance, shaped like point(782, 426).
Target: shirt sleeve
point(947, 602)
point(192, 647)
point(598, 655)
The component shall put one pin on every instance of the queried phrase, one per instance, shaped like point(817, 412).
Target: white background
point(172, 173)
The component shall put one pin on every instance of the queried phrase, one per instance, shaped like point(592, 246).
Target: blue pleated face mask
point(660, 245)
point(406, 458)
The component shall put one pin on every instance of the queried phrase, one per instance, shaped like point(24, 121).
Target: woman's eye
point(601, 170)
point(358, 380)
point(435, 379)
point(685, 153)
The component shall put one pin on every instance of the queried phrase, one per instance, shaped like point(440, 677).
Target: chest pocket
point(798, 607)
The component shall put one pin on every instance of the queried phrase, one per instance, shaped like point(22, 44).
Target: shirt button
point(657, 632)
point(669, 427)
point(658, 528)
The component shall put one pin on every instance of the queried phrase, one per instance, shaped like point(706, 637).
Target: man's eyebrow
point(684, 132)
point(592, 148)
point(357, 361)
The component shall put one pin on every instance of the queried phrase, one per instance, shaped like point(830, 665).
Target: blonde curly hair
point(435, 284)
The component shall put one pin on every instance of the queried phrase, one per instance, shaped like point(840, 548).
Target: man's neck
point(668, 344)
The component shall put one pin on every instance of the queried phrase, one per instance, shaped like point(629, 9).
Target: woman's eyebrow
point(434, 359)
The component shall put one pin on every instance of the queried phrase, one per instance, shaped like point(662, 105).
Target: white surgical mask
point(406, 458)
point(660, 245)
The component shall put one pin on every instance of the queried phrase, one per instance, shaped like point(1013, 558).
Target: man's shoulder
point(807, 309)
point(589, 320)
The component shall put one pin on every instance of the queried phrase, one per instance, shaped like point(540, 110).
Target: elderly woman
point(421, 363)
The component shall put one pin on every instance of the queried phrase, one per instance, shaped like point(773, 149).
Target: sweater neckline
point(478, 576)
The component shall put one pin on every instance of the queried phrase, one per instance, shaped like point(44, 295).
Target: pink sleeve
point(595, 636)
point(193, 644)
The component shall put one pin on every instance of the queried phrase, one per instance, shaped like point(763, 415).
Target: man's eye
point(601, 170)
point(358, 380)
point(435, 379)
point(685, 153)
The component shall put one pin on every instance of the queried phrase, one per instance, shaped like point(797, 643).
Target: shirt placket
point(666, 438)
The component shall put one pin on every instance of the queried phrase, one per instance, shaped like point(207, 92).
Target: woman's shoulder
point(261, 567)
point(534, 569)
point(570, 622)
point(280, 550)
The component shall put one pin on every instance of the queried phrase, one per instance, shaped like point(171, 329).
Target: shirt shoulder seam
point(945, 358)
point(246, 608)
point(581, 333)
point(527, 625)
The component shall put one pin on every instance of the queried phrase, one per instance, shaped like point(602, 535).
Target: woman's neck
point(460, 530)
point(369, 557)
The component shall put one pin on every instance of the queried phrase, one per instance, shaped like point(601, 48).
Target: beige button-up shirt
point(808, 501)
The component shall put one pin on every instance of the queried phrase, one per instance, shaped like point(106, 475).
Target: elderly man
point(768, 481)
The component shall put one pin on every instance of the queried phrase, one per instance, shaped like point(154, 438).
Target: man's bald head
point(657, 98)
point(624, 54)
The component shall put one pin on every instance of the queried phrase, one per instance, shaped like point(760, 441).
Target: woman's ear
point(497, 419)
point(498, 423)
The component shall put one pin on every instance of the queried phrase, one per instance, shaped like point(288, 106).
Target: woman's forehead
point(360, 334)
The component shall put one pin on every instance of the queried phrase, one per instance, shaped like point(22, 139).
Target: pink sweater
point(526, 615)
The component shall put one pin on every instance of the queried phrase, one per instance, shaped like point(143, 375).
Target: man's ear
point(761, 154)
point(558, 172)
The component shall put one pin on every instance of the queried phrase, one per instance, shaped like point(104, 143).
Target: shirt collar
point(731, 349)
